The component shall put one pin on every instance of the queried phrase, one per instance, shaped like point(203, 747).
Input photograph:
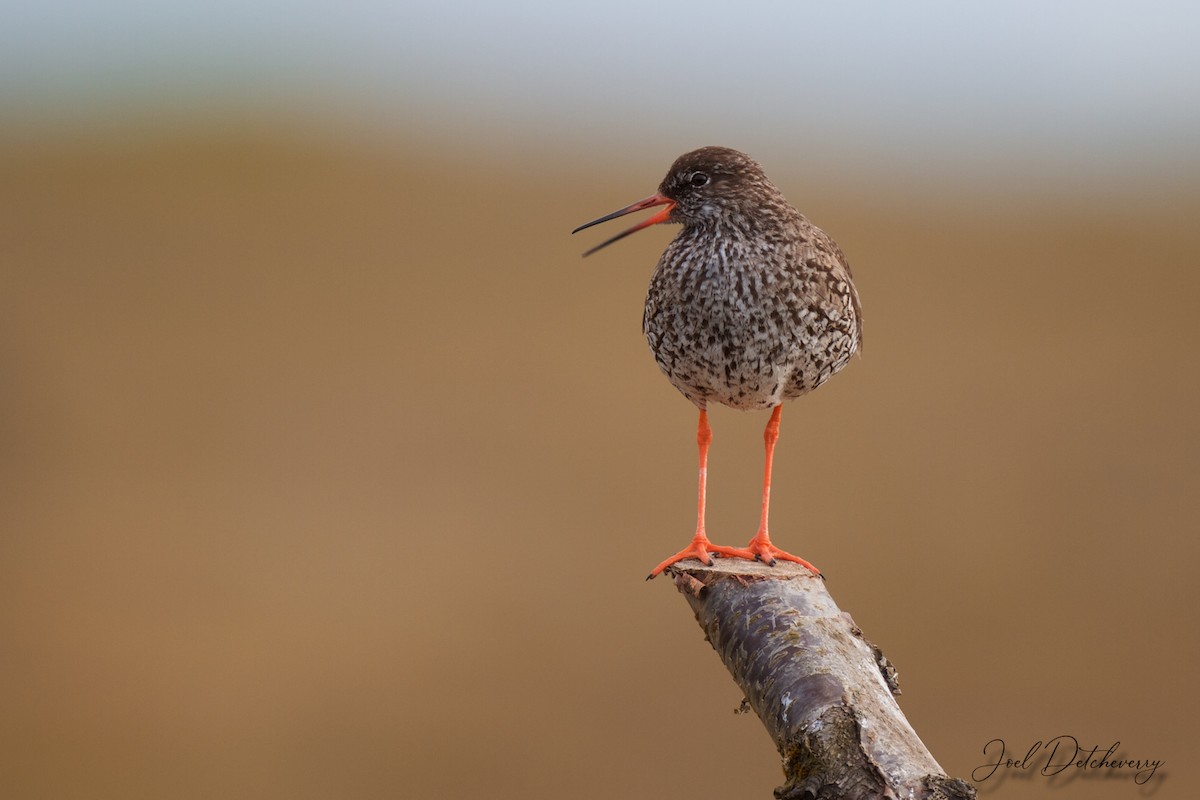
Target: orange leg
point(700, 548)
point(760, 546)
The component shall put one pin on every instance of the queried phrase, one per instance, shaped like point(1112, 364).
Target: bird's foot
point(702, 550)
point(761, 549)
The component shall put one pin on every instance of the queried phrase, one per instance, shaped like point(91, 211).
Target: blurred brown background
point(328, 469)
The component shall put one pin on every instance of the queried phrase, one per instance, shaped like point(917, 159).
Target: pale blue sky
point(1087, 82)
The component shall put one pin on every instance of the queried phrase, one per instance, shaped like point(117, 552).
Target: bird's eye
point(699, 179)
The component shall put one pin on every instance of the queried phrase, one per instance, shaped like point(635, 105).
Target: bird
point(751, 304)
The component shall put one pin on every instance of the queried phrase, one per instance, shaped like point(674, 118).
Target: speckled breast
point(747, 325)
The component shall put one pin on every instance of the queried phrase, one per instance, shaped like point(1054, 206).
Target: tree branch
point(821, 689)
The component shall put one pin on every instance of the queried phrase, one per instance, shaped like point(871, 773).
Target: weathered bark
point(821, 689)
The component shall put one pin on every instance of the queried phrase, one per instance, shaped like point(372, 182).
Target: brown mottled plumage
point(750, 305)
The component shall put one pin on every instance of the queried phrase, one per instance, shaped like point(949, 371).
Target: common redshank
point(750, 305)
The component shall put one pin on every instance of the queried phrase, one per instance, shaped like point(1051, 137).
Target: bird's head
point(714, 182)
point(702, 187)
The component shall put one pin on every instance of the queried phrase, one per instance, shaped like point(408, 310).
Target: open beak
point(649, 202)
